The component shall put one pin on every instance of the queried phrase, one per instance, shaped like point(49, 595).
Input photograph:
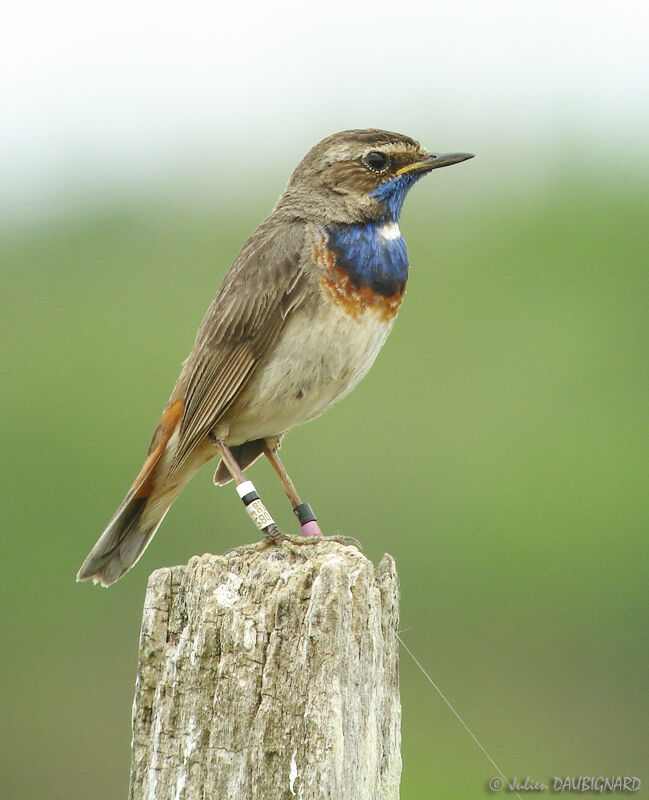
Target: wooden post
point(269, 675)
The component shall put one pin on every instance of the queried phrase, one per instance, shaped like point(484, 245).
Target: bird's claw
point(274, 537)
point(242, 549)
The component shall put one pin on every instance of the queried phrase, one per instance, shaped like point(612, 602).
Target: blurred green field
point(500, 443)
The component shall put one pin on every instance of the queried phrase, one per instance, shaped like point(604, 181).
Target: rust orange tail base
point(143, 484)
point(140, 514)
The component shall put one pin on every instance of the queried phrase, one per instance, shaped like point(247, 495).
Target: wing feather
point(265, 284)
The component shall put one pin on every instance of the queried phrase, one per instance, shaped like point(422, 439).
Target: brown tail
point(143, 509)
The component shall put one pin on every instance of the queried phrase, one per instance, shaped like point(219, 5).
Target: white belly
point(315, 363)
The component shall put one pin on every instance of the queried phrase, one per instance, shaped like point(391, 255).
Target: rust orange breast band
point(353, 300)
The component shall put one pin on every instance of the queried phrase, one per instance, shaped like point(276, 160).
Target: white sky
point(122, 90)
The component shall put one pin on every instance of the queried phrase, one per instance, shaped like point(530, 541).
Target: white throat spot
point(390, 231)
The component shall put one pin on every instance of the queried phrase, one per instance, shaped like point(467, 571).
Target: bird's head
point(360, 175)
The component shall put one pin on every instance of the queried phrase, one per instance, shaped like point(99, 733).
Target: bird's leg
point(302, 511)
point(257, 511)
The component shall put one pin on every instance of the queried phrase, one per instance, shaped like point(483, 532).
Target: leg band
point(304, 513)
point(257, 511)
point(306, 517)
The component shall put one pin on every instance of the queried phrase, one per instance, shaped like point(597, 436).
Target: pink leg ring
point(311, 529)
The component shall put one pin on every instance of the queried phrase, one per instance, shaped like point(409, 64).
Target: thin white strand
point(450, 705)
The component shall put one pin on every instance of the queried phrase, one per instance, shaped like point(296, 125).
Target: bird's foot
point(348, 541)
point(244, 549)
point(277, 537)
point(274, 537)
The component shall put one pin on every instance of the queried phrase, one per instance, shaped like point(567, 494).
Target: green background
point(498, 449)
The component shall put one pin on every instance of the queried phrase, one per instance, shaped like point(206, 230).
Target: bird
point(295, 325)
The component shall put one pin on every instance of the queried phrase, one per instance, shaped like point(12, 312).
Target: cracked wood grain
point(267, 676)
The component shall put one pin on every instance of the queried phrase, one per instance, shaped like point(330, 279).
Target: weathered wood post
point(269, 675)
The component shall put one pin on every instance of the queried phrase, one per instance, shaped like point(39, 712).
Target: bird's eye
point(377, 162)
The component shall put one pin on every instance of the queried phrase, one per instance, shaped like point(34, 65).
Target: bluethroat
point(297, 322)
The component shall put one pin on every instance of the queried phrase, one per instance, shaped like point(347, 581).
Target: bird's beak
point(434, 161)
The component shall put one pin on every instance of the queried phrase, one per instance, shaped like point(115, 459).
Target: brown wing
point(264, 285)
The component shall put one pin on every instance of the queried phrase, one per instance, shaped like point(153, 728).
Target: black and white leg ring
point(257, 511)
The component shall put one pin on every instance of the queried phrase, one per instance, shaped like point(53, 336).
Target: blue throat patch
point(394, 192)
point(368, 257)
